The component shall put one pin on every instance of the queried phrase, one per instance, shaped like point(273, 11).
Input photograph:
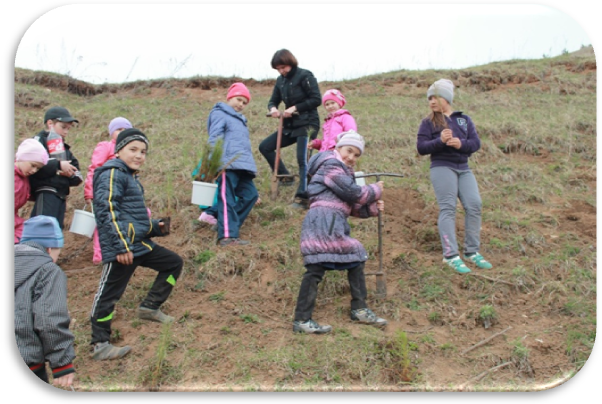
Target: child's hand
point(125, 258)
point(64, 381)
point(165, 225)
point(446, 135)
point(275, 113)
point(380, 205)
point(290, 111)
point(88, 201)
point(67, 170)
point(454, 142)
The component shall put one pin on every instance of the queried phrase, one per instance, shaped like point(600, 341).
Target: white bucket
point(83, 223)
point(203, 193)
point(360, 181)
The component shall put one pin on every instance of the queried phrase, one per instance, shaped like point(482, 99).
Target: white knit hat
point(351, 138)
point(442, 88)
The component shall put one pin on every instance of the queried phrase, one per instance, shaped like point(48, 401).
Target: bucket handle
point(91, 208)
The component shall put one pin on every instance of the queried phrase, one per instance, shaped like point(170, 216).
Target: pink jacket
point(22, 190)
point(335, 123)
point(103, 152)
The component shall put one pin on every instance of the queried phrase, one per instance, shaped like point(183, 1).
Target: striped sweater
point(41, 316)
point(333, 197)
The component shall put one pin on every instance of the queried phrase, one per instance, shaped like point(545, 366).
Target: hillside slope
point(537, 176)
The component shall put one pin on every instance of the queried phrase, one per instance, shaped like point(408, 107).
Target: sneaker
point(222, 242)
point(207, 218)
point(145, 313)
point(457, 264)
point(105, 351)
point(479, 260)
point(367, 316)
point(310, 327)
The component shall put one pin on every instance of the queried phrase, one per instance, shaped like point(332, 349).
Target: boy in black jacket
point(50, 185)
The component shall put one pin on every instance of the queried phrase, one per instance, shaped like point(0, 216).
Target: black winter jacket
point(47, 179)
point(122, 219)
point(299, 88)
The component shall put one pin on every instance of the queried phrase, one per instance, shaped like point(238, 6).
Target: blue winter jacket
point(122, 219)
point(224, 122)
point(429, 141)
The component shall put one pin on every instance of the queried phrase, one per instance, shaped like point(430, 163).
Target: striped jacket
point(41, 316)
point(333, 197)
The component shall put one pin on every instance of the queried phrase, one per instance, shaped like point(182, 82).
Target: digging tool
point(381, 281)
point(275, 176)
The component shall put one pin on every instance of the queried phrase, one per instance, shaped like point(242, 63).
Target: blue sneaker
point(479, 260)
point(457, 264)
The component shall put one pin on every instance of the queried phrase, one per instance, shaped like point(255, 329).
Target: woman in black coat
point(298, 89)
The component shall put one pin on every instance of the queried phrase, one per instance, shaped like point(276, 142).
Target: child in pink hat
point(30, 157)
point(338, 120)
point(103, 152)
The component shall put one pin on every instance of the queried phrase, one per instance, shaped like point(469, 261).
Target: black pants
point(268, 149)
point(115, 278)
point(50, 204)
point(309, 290)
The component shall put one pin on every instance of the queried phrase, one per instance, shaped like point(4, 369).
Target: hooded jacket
point(122, 219)
point(224, 122)
point(41, 315)
point(300, 88)
point(335, 123)
point(333, 197)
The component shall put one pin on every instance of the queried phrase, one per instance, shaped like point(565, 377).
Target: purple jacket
point(333, 197)
point(429, 142)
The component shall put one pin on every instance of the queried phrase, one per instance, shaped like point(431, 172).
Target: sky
point(118, 43)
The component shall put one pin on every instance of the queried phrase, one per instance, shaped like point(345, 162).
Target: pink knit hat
point(31, 150)
point(238, 89)
point(351, 138)
point(334, 95)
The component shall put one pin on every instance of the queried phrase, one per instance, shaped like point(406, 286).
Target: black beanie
point(129, 135)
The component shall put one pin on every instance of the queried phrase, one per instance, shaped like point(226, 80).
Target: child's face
point(62, 128)
point(238, 103)
point(133, 154)
point(350, 155)
point(29, 167)
point(116, 133)
point(331, 106)
point(438, 104)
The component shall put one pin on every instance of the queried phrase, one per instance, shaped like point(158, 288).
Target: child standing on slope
point(236, 192)
point(103, 152)
point(30, 157)
point(50, 186)
point(125, 231)
point(338, 120)
point(325, 240)
point(450, 138)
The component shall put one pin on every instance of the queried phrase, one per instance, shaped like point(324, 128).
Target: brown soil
point(407, 247)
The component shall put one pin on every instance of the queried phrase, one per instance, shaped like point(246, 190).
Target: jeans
point(268, 149)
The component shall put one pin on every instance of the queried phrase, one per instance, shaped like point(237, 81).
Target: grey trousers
point(449, 185)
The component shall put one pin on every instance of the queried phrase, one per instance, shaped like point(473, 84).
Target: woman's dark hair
point(284, 57)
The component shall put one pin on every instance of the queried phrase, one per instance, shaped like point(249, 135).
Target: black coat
point(47, 179)
point(299, 88)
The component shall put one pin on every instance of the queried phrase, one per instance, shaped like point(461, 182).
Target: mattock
point(381, 280)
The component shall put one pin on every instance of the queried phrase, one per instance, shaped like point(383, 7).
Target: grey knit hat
point(443, 88)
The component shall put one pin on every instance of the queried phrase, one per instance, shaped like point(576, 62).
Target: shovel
point(381, 281)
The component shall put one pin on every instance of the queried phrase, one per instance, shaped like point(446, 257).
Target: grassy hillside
point(537, 175)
